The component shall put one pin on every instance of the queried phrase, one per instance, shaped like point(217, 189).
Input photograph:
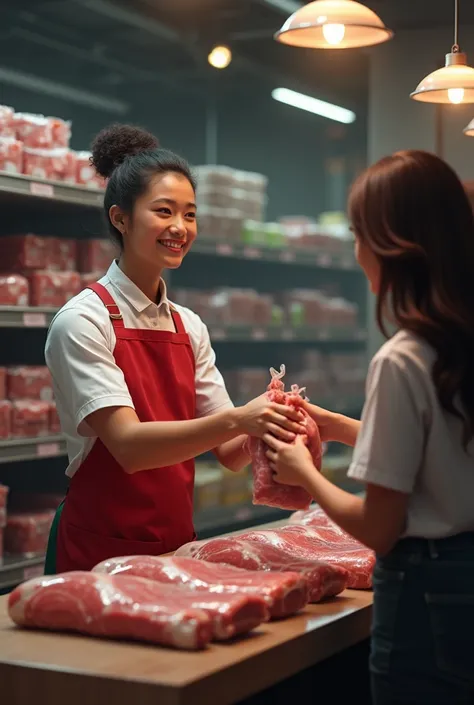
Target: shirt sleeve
point(83, 367)
point(211, 392)
point(389, 448)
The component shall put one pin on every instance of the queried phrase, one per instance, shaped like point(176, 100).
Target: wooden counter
point(57, 669)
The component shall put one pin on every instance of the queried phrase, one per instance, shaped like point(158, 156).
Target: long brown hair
point(412, 212)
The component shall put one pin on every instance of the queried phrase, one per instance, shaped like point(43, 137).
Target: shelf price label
point(222, 248)
point(34, 320)
point(287, 334)
point(48, 450)
point(287, 256)
point(259, 334)
point(39, 189)
point(252, 253)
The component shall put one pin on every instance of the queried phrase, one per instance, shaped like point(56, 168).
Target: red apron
point(108, 512)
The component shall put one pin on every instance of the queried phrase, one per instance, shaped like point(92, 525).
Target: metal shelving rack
point(24, 200)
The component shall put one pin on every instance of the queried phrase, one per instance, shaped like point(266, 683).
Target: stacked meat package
point(27, 409)
point(38, 146)
point(48, 271)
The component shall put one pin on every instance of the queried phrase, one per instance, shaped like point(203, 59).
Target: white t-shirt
point(408, 443)
point(80, 356)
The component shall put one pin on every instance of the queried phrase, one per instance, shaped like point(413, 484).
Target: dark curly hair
point(413, 213)
point(129, 158)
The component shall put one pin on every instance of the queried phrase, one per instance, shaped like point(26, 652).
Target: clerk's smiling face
point(162, 226)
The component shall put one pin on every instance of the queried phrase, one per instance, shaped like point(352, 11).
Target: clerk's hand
point(261, 416)
point(291, 463)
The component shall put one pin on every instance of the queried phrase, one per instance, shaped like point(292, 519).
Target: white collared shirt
point(80, 356)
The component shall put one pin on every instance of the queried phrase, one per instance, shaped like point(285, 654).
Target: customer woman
point(414, 448)
point(135, 381)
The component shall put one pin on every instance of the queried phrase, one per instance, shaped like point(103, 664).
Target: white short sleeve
point(211, 392)
point(389, 449)
point(81, 362)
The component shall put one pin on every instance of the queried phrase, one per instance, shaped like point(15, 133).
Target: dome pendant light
point(452, 84)
point(333, 24)
point(469, 131)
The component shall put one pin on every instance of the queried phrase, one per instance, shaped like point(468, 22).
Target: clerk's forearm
point(346, 430)
point(155, 444)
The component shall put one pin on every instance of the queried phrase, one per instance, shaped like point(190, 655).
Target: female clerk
point(135, 381)
point(414, 449)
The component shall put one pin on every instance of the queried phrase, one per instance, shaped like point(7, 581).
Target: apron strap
point(177, 320)
point(108, 301)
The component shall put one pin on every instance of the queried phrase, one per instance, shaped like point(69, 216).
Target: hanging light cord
point(455, 48)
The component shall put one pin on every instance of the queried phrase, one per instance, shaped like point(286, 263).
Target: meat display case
point(71, 211)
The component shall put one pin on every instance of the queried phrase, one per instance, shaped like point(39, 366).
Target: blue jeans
point(422, 649)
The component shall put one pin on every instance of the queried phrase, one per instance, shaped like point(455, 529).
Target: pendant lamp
point(469, 130)
point(452, 84)
point(333, 24)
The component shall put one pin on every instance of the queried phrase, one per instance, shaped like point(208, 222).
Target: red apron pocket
point(79, 549)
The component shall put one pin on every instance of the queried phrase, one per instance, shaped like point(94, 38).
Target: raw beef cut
point(35, 131)
point(29, 418)
point(108, 606)
point(265, 489)
point(53, 288)
point(29, 382)
point(324, 580)
point(285, 594)
point(24, 252)
point(229, 615)
point(321, 545)
point(11, 155)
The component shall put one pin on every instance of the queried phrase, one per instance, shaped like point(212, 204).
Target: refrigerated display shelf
point(41, 317)
point(15, 570)
point(32, 448)
point(15, 188)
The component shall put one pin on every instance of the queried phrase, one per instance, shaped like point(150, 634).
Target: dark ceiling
point(121, 47)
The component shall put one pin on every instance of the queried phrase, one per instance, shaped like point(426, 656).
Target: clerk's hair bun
point(114, 144)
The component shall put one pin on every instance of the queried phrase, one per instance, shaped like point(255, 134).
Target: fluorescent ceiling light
point(313, 105)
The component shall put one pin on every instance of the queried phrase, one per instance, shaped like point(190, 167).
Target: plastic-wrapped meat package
point(86, 174)
point(11, 155)
point(35, 131)
point(61, 132)
point(53, 288)
point(323, 580)
point(63, 254)
point(284, 594)
point(3, 499)
point(29, 382)
point(24, 252)
point(327, 545)
point(26, 533)
point(3, 383)
point(112, 607)
point(265, 490)
point(54, 422)
point(14, 290)
point(5, 419)
point(7, 128)
point(49, 164)
point(29, 418)
point(95, 255)
point(102, 605)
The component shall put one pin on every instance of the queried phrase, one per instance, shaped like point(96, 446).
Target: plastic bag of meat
point(327, 546)
point(101, 611)
point(26, 533)
point(284, 593)
point(53, 288)
point(63, 254)
point(25, 382)
point(35, 131)
point(14, 290)
point(108, 606)
point(11, 155)
point(5, 419)
point(29, 419)
point(22, 252)
point(265, 489)
point(324, 580)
